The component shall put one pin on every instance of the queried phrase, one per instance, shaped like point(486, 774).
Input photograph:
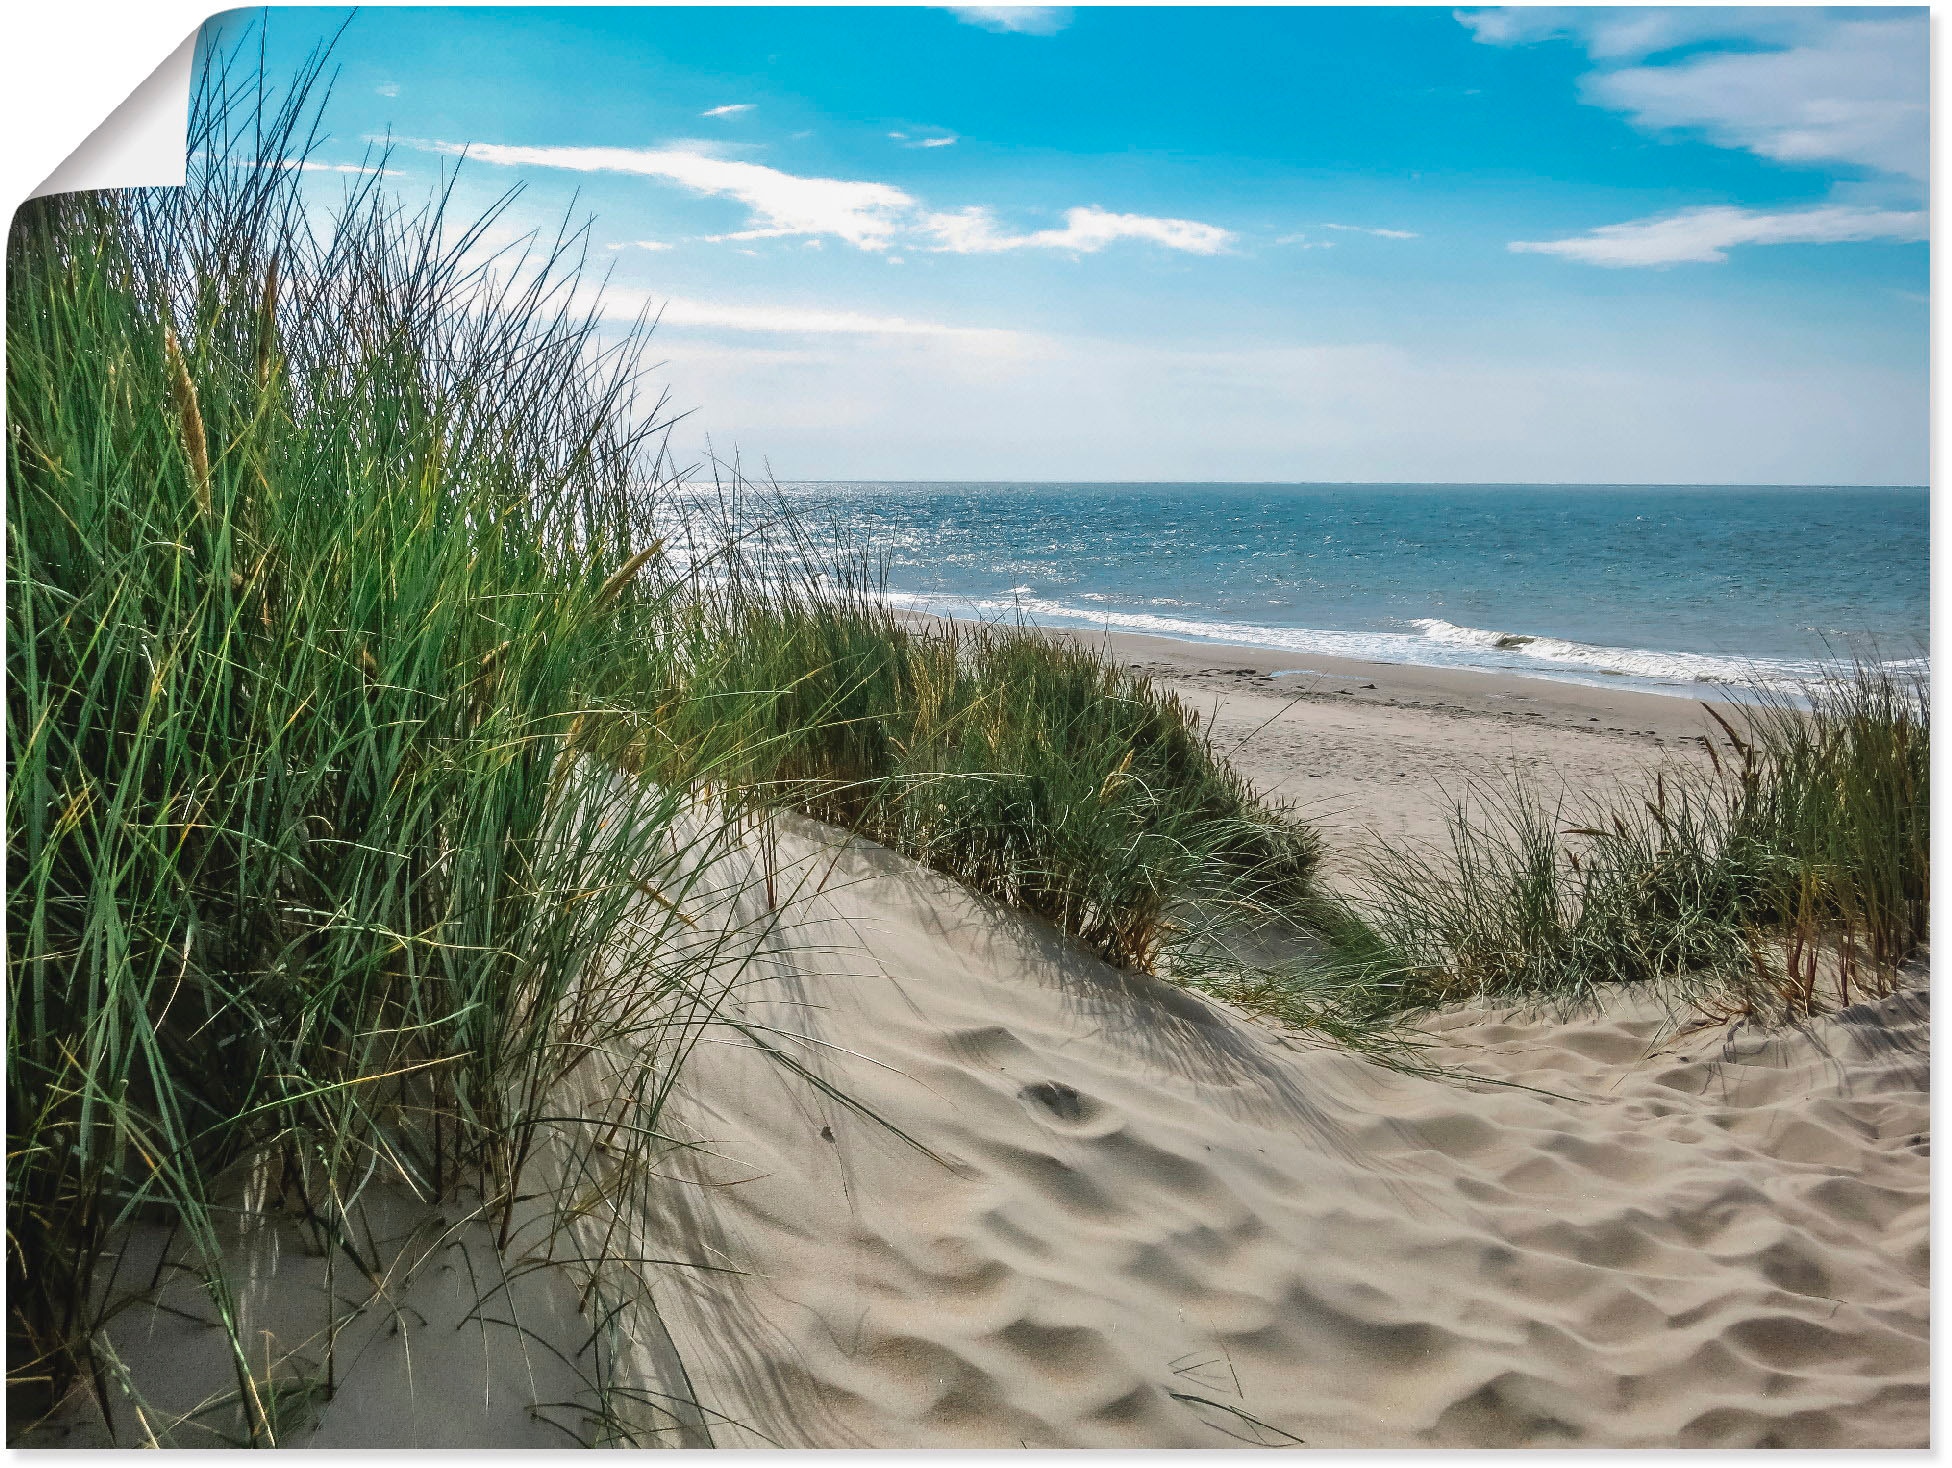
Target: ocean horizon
point(1688, 590)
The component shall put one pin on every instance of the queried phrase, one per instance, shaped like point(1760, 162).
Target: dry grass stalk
point(268, 324)
point(195, 446)
point(611, 589)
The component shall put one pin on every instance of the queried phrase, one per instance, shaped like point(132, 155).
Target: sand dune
point(437, 1337)
point(1141, 1220)
point(1027, 1199)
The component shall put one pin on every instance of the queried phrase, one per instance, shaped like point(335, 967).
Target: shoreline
point(1466, 691)
point(1276, 672)
point(1387, 750)
point(1471, 652)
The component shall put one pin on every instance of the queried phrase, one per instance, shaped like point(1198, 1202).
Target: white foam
point(1434, 643)
point(1631, 662)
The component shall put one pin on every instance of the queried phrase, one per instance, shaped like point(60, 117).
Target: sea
point(1686, 590)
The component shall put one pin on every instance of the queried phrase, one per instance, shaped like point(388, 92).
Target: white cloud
point(1302, 242)
point(1631, 33)
point(640, 245)
point(310, 165)
point(1858, 96)
point(973, 231)
point(1798, 85)
point(937, 142)
point(730, 109)
point(711, 147)
point(1387, 234)
point(1705, 235)
point(388, 89)
point(1024, 20)
point(864, 214)
point(871, 216)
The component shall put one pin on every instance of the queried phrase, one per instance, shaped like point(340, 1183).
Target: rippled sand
point(1149, 1222)
point(1027, 1199)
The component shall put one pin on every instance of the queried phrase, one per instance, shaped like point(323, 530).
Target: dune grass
point(339, 604)
point(315, 549)
point(1791, 875)
point(1041, 773)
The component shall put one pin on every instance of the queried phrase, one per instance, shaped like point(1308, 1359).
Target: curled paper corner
point(143, 142)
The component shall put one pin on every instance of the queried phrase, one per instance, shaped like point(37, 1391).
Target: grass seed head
point(196, 448)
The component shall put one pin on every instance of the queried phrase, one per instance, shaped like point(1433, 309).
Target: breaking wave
point(1426, 642)
point(1524, 649)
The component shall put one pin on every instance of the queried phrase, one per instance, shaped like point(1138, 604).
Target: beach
point(1077, 1207)
point(519, 937)
point(1379, 748)
point(1069, 1206)
point(1008, 1195)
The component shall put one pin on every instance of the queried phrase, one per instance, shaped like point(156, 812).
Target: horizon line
point(1387, 483)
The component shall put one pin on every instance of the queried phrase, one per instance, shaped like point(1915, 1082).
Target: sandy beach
point(1118, 1215)
point(586, 868)
point(1152, 1221)
point(1380, 748)
point(1011, 1196)
point(1037, 1201)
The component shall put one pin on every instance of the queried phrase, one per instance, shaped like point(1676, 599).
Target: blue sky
point(1641, 245)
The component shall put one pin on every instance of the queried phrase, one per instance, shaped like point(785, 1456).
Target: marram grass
point(339, 609)
point(1041, 773)
point(1789, 876)
point(316, 545)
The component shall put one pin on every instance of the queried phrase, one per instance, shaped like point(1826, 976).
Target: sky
point(1190, 243)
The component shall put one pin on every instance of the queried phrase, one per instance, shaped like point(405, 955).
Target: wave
point(1433, 643)
point(1626, 662)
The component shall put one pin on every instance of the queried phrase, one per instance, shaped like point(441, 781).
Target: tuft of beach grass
point(366, 742)
point(318, 541)
point(1791, 875)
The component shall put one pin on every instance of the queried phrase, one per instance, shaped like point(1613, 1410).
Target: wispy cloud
point(730, 109)
point(864, 214)
point(640, 245)
point(1858, 96)
point(1386, 234)
point(1024, 20)
point(711, 147)
point(1801, 85)
point(907, 141)
point(974, 231)
point(1302, 242)
point(1706, 235)
point(388, 89)
point(1632, 33)
point(870, 216)
point(312, 165)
